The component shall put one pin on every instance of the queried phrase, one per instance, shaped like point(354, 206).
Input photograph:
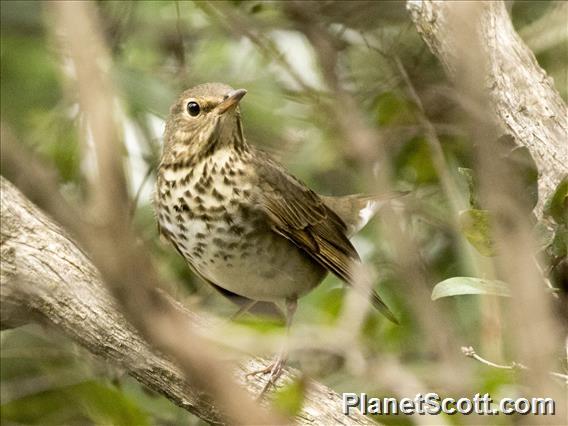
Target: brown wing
point(299, 214)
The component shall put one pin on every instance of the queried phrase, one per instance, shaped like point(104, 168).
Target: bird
point(243, 223)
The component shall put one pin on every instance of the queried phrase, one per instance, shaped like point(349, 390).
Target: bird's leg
point(275, 368)
point(243, 310)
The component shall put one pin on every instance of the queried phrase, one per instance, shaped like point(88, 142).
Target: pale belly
point(257, 265)
point(229, 245)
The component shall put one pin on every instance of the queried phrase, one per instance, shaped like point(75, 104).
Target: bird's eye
point(193, 108)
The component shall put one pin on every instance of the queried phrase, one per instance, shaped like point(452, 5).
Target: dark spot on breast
point(236, 191)
point(217, 209)
point(219, 242)
point(217, 195)
point(200, 235)
point(237, 229)
point(200, 188)
point(244, 211)
point(187, 193)
point(227, 218)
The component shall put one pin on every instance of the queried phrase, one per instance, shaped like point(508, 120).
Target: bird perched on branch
point(243, 223)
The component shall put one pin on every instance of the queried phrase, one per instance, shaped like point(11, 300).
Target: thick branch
point(522, 96)
point(46, 278)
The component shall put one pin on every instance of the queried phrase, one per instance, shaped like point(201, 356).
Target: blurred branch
point(522, 96)
point(124, 265)
point(502, 88)
point(46, 278)
point(366, 145)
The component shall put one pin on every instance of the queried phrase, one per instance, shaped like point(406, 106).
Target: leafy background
point(161, 48)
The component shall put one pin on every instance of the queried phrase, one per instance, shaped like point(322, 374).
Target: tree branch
point(521, 94)
point(47, 278)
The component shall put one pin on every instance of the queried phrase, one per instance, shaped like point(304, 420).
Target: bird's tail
point(356, 210)
point(382, 307)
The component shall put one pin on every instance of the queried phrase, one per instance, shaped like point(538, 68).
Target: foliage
point(161, 48)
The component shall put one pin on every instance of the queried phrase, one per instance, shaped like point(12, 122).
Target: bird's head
point(204, 118)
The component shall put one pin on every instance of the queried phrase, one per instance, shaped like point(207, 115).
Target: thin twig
point(469, 352)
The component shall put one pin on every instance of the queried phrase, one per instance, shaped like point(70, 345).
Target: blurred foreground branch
point(520, 93)
point(502, 89)
point(46, 278)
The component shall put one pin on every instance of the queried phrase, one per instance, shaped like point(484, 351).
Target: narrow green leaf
point(557, 205)
point(467, 175)
point(458, 286)
point(475, 226)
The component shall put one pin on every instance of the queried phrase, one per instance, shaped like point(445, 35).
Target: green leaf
point(476, 228)
point(458, 286)
point(559, 246)
point(557, 205)
point(290, 398)
point(468, 177)
point(106, 404)
point(101, 403)
point(544, 234)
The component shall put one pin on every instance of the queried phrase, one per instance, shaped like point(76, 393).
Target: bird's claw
point(274, 369)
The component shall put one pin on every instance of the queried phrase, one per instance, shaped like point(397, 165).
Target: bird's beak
point(231, 101)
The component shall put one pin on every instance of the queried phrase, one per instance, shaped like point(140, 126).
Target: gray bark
point(521, 94)
point(46, 278)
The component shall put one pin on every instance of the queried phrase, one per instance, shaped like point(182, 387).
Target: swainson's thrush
point(241, 221)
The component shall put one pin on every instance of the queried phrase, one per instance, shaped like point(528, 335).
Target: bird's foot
point(274, 370)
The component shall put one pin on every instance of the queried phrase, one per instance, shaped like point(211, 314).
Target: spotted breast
point(207, 210)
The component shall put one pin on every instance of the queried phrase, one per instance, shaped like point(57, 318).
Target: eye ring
point(193, 108)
